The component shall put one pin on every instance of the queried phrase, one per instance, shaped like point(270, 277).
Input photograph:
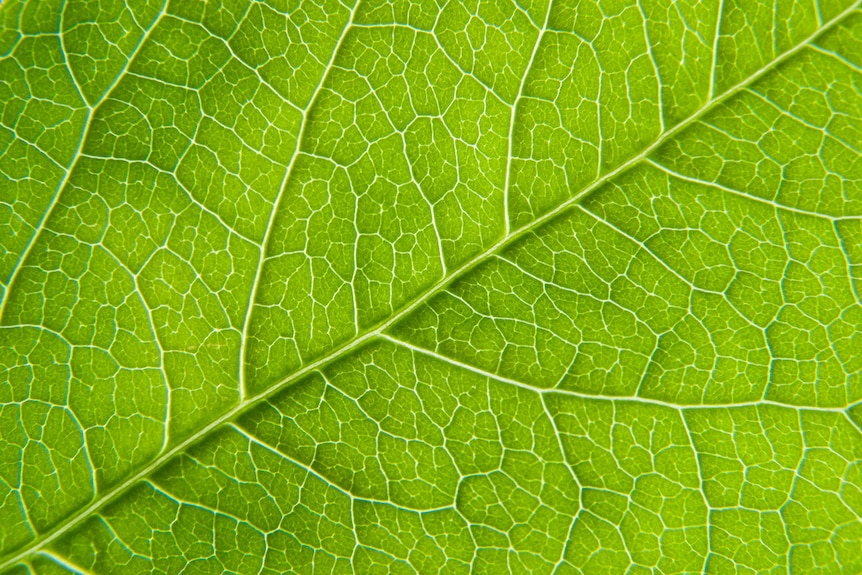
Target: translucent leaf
point(423, 287)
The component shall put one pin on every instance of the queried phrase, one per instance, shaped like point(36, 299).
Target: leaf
point(416, 287)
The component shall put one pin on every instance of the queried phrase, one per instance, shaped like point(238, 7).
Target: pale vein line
point(272, 215)
point(711, 90)
point(824, 130)
point(226, 43)
point(700, 476)
point(594, 396)
point(193, 200)
point(65, 563)
point(60, 529)
point(156, 340)
point(838, 57)
point(528, 67)
point(431, 210)
point(215, 510)
point(562, 558)
point(599, 108)
point(62, 38)
point(116, 536)
point(747, 196)
point(661, 107)
point(773, 29)
point(848, 265)
point(251, 438)
point(693, 289)
point(19, 265)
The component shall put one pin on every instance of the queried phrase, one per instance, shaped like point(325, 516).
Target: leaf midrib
point(380, 328)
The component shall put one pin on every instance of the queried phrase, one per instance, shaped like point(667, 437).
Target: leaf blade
point(711, 281)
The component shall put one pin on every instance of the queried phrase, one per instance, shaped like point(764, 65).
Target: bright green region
point(640, 479)
point(414, 286)
point(100, 37)
point(771, 479)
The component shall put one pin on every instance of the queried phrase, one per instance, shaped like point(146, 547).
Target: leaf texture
point(474, 286)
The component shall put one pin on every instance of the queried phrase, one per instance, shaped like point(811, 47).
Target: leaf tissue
point(430, 286)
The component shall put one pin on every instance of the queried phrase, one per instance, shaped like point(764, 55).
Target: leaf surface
point(421, 287)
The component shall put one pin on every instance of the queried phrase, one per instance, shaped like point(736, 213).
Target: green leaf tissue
point(430, 287)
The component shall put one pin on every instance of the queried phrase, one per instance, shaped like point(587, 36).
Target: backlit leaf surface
point(418, 286)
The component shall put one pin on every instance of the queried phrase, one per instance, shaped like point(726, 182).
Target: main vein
point(251, 401)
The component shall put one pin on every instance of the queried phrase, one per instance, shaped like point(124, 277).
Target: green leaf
point(430, 287)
